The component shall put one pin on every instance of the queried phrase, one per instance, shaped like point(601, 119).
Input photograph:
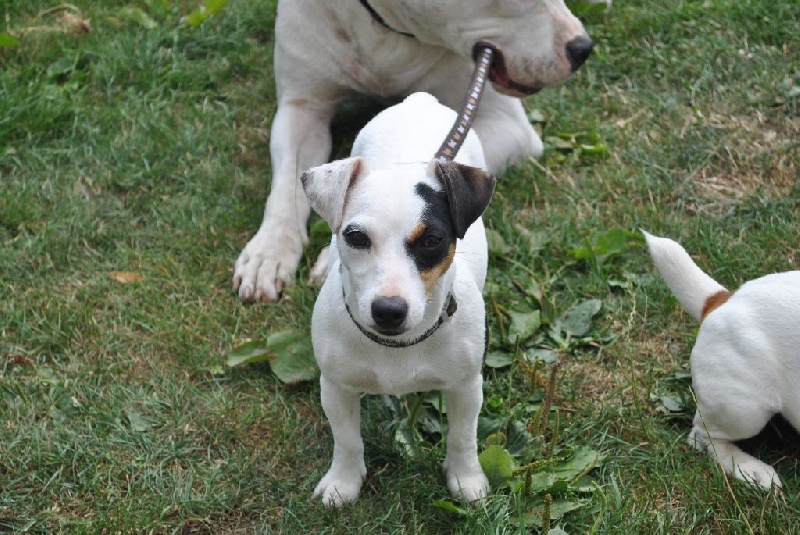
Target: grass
point(134, 166)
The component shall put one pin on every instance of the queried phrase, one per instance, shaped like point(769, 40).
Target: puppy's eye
point(357, 239)
point(431, 240)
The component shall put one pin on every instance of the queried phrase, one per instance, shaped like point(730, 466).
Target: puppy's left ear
point(469, 190)
point(326, 187)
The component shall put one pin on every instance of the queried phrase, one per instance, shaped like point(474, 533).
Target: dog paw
point(338, 488)
point(319, 272)
point(468, 486)
point(267, 265)
point(759, 473)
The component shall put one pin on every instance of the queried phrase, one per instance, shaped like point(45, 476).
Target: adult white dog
point(392, 48)
point(746, 360)
point(401, 308)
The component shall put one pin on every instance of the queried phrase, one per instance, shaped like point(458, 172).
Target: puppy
point(745, 362)
point(326, 50)
point(401, 309)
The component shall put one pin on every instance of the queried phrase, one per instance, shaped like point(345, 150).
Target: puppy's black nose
point(389, 312)
point(578, 49)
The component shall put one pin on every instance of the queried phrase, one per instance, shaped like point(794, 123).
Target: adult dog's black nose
point(389, 312)
point(578, 49)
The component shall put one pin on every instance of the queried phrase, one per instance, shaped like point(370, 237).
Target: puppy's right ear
point(326, 187)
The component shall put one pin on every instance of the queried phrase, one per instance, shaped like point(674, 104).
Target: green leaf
point(138, 16)
point(497, 464)
point(578, 320)
point(558, 508)
point(449, 506)
point(408, 439)
point(497, 245)
point(289, 353)
point(248, 353)
point(536, 116)
point(671, 403)
point(498, 359)
point(581, 461)
point(138, 421)
point(7, 40)
point(548, 356)
point(496, 439)
point(204, 12)
point(523, 325)
point(608, 244)
point(292, 356)
point(60, 69)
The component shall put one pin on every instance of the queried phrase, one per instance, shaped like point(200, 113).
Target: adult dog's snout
point(578, 50)
point(389, 313)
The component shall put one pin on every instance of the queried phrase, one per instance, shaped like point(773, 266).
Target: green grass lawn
point(134, 166)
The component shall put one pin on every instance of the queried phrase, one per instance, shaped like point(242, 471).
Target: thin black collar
point(449, 308)
point(377, 18)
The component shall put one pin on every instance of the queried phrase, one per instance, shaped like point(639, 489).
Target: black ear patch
point(468, 189)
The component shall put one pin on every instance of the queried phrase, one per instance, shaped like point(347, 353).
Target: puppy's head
point(396, 232)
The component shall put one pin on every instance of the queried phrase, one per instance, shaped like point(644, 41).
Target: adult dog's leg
point(465, 478)
point(300, 138)
point(505, 132)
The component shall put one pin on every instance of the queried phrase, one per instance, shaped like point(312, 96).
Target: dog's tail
point(694, 289)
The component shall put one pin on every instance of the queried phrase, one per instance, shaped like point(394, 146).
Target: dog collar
point(449, 308)
point(377, 18)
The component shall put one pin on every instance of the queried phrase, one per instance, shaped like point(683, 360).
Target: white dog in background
point(325, 50)
point(401, 309)
point(746, 360)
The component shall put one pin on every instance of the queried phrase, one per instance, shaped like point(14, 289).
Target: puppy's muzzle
point(389, 314)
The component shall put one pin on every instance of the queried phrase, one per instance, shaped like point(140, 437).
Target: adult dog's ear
point(469, 190)
point(326, 187)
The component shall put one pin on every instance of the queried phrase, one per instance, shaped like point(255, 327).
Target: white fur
point(325, 50)
point(390, 157)
point(745, 362)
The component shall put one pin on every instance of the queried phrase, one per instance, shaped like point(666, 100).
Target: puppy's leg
point(465, 478)
point(343, 481)
point(505, 132)
point(718, 442)
point(300, 139)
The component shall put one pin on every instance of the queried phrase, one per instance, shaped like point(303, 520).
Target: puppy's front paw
point(467, 485)
point(762, 474)
point(339, 487)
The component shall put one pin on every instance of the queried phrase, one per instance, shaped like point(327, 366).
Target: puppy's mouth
point(498, 74)
point(389, 332)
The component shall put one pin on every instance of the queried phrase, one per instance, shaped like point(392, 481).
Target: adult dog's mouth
point(498, 74)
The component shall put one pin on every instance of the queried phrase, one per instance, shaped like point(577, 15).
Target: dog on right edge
point(746, 360)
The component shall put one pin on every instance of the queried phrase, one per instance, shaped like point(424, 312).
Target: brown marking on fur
point(432, 276)
point(714, 302)
point(342, 35)
point(418, 231)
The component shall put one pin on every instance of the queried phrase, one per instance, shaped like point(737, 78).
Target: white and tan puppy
point(401, 309)
point(746, 360)
point(325, 50)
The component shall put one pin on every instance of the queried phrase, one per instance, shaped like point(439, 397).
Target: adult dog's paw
point(338, 488)
point(267, 264)
point(759, 473)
